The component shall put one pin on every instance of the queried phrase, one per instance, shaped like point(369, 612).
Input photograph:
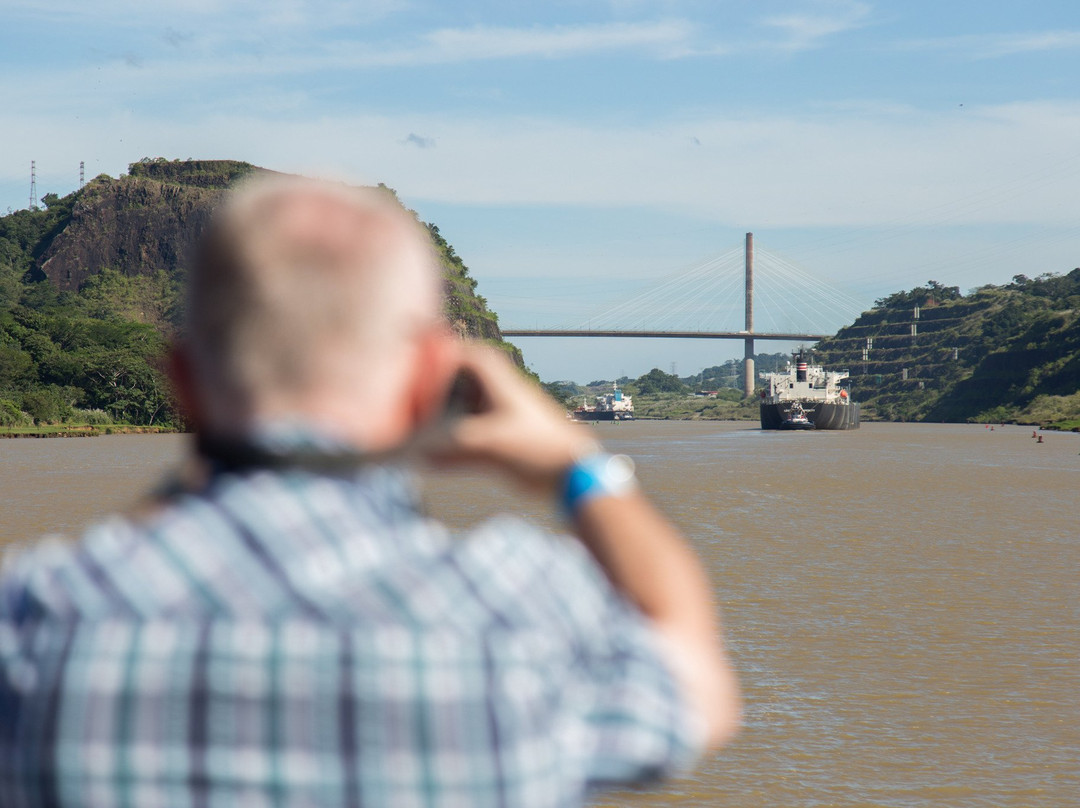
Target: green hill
point(1000, 353)
point(91, 292)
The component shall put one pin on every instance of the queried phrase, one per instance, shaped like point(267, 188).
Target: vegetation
point(664, 396)
point(91, 356)
point(91, 294)
point(656, 382)
point(467, 311)
point(72, 357)
point(1001, 353)
point(730, 374)
point(220, 174)
point(568, 394)
point(727, 405)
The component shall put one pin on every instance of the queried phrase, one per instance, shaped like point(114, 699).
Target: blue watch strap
point(598, 475)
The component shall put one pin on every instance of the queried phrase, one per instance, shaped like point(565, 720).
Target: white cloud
point(992, 165)
point(317, 14)
point(995, 46)
point(486, 42)
point(187, 63)
point(1006, 164)
point(807, 29)
point(334, 29)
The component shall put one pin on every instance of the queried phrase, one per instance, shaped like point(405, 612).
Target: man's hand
point(519, 431)
point(516, 429)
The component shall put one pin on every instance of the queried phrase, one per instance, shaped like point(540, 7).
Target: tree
point(16, 367)
point(656, 381)
point(566, 393)
point(932, 293)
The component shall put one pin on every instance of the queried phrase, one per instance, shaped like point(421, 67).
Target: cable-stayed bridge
point(799, 307)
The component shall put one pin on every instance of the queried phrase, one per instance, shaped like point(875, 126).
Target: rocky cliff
point(135, 225)
point(147, 222)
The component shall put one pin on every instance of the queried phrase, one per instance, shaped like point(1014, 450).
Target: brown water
point(902, 602)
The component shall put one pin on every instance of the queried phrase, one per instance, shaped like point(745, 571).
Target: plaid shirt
point(286, 638)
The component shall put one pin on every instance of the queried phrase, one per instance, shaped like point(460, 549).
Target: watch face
point(620, 469)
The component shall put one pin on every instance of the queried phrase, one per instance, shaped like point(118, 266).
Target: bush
point(996, 415)
point(49, 405)
point(91, 417)
point(42, 406)
point(11, 415)
point(1047, 409)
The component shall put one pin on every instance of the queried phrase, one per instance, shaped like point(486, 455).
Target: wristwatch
point(597, 475)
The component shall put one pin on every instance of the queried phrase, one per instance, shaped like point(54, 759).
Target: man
point(286, 628)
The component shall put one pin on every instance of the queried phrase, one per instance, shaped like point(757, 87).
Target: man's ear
point(183, 380)
point(438, 361)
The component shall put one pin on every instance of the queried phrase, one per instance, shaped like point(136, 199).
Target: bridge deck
point(551, 332)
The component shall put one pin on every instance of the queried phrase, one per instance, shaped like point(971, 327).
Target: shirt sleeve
point(638, 723)
point(631, 721)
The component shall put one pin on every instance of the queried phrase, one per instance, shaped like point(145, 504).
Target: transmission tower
point(33, 185)
point(82, 174)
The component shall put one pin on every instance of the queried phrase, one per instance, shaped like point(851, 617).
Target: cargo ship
point(807, 395)
point(614, 406)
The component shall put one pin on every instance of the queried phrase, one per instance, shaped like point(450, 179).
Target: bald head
point(305, 301)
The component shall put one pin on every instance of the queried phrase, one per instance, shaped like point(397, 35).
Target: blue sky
point(576, 153)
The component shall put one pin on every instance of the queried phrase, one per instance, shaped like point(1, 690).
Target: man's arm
point(646, 558)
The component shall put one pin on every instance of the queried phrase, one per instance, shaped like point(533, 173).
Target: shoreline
point(89, 431)
point(1063, 426)
point(82, 431)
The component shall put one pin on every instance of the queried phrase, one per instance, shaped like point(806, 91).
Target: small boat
point(796, 418)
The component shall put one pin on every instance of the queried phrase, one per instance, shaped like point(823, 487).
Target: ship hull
point(822, 415)
point(601, 415)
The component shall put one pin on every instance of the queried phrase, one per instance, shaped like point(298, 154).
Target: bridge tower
point(748, 343)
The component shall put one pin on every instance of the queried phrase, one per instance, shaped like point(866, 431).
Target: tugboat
point(614, 406)
point(807, 393)
point(796, 418)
